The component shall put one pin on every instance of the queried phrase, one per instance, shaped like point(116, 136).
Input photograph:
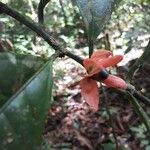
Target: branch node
point(131, 89)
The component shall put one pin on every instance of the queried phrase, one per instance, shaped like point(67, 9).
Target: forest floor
point(72, 125)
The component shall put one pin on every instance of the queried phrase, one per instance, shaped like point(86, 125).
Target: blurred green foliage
point(127, 29)
point(139, 132)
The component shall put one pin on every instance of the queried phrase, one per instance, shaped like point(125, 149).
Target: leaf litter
point(71, 124)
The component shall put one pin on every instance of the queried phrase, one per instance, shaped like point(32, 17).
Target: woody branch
point(54, 44)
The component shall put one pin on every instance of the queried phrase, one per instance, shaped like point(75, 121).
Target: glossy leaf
point(95, 14)
point(15, 70)
point(22, 118)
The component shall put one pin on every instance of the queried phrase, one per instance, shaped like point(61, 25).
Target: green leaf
point(15, 70)
point(22, 118)
point(95, 14)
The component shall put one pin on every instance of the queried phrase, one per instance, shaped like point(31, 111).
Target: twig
point(90, 35)
point(138, 95)
point(107, 42)
point(91, 46)
point(110, 118)
point(51, 41)
point(38, 29)
point(41, 7)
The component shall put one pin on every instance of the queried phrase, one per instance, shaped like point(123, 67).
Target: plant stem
point(139, 110)
point(91, 47)
point(41, 7)
point(138, 95)
point(39, 30)
point(107, 42)
point(91, 35)
point(52, 41)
